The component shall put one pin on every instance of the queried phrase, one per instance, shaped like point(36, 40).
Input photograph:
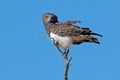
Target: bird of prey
point(65, 34)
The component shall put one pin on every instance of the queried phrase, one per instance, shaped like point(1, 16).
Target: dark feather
point(97, 34)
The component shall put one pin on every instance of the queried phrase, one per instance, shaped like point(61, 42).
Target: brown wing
point(69, 30)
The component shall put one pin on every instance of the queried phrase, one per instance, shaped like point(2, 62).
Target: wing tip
point(97, 34)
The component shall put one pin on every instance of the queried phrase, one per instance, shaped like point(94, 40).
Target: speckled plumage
point(76, 34)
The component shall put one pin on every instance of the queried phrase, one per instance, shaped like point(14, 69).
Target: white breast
point(63, 42)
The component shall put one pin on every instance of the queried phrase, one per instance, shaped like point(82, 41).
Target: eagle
point(65, 34)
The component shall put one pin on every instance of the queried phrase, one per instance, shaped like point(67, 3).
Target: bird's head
point(49, 18)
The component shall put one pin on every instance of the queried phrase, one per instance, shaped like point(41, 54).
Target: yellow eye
point(46, 17)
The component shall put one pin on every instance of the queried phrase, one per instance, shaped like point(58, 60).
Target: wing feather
point(69, 30)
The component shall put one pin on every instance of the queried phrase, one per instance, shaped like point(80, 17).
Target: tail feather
point(93, 39)
point(87, 31)
point(85, 38)
point(97, 34)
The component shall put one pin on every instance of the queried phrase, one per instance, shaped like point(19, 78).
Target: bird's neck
point(48, 27)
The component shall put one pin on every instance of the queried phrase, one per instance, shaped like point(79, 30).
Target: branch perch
point(67, 61)
point(66, 69)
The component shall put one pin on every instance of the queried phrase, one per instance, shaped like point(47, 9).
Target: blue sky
point(26, 56)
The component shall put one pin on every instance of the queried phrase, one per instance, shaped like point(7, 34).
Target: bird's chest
point(63, 42)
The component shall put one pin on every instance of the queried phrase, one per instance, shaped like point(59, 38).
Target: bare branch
point(67, 62)
point(66, 69)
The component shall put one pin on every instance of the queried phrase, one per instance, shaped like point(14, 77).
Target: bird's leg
point(66, 51)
